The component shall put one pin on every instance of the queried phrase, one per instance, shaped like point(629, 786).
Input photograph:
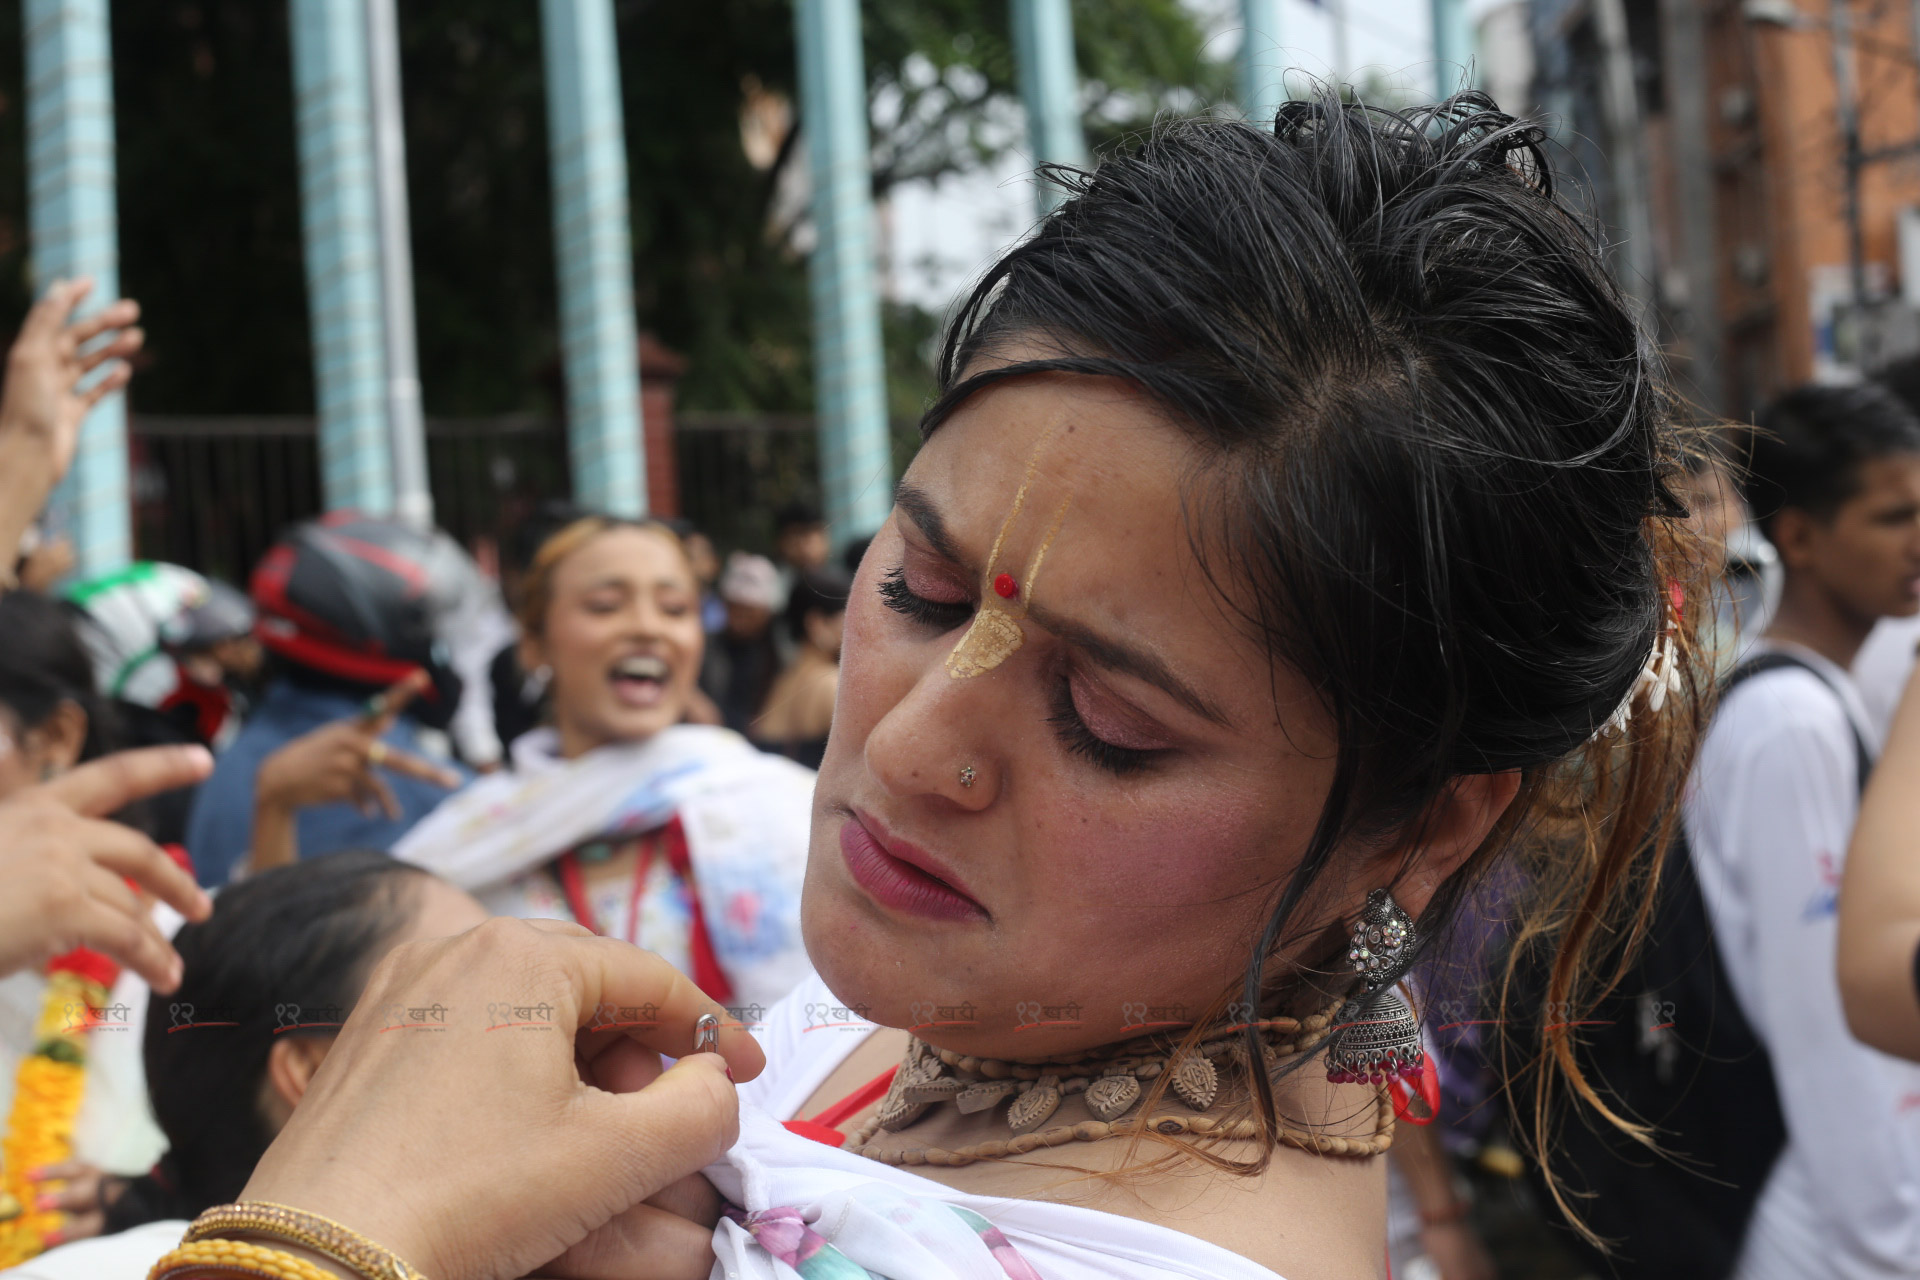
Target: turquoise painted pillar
point(1453, 48)
point(598, 342)
point(71, 217)
point(850, 392)
point(1261, 61)
point(339, 213)
point(1050, 87)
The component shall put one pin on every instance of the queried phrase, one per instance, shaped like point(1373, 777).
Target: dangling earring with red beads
point(1376, 1039)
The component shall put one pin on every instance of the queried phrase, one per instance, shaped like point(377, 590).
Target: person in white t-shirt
point(1834, 481)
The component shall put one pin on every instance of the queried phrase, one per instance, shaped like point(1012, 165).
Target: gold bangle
point(201, 1259)
point(322, 1235)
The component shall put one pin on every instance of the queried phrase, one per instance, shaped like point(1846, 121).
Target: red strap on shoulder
point(825, 1127)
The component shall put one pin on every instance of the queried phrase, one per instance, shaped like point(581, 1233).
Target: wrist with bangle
point(260, 1238)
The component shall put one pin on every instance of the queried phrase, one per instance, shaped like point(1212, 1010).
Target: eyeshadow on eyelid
point(930, 590)
point(1121, 729)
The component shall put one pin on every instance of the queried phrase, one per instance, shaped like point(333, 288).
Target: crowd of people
point(1312, 692)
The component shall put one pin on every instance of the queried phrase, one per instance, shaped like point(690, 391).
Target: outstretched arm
point(1880, 896)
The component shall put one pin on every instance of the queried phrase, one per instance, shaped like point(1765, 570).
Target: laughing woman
point(681, 838)
point(1290, 544)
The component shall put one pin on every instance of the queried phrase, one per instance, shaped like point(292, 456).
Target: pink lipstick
point(901, 877)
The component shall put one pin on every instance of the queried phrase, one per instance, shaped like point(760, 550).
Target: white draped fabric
point(894, 1223)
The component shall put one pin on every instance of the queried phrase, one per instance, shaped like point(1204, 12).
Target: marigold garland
point(47, 1091)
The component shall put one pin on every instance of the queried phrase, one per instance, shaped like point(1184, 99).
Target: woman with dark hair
point(51, 713)
point(270, 976)
point(1291, 543)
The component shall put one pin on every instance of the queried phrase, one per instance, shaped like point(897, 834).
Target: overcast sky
point(943, 234)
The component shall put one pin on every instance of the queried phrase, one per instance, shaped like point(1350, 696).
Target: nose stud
point(966, 775)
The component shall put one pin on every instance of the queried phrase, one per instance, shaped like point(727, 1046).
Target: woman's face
point(1142, 775)
point(622, 637)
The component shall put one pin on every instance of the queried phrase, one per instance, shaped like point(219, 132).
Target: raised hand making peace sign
point(337, 763)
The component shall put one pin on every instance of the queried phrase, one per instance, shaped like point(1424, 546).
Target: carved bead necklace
point(1110, 1081)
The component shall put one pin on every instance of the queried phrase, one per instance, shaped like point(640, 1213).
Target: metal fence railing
point(214, 492)
point(738, 469)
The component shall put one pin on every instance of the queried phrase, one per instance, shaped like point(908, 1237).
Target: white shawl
point(747, 817)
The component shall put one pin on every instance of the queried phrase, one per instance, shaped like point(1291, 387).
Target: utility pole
point(1847, 108)
point(1913, 18)
point(1621, 102)
point(1683, 40)
point(406, 432)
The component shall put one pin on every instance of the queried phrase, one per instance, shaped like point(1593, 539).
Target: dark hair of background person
point(853, 553)
point(542, 523)
point(43, 664)
point(516, 708)
point(1903, 379)
point(823, 590)
point(290, 946)
point(797, 515)
point(1434, 455)
point(1807, 448)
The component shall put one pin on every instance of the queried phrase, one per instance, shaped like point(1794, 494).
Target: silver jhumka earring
point(1376, 1036)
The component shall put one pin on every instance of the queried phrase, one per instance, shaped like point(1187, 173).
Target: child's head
point(1833, 479)
point(269, 977)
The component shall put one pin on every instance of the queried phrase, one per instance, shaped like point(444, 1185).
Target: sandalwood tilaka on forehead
point(995, 633)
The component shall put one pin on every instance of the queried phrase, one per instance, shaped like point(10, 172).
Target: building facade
point(1752, 181)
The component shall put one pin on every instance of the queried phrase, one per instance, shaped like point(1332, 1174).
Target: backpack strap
point(1775, 660)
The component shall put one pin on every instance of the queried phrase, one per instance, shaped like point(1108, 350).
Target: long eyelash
point(1080, 740)
point(942, 614)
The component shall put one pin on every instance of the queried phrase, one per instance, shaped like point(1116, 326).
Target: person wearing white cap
point(743, 660)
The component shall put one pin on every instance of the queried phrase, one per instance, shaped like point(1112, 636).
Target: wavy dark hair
point(278, 949)
point(1436, 457)
point(44, 664)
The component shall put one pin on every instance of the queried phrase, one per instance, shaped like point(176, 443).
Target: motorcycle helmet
point(135, 620)
point(358, 598)
point(216, 613)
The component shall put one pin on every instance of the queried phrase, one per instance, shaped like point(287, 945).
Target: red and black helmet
point(359, 598)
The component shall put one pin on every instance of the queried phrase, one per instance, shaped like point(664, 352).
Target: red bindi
point(1006, 587)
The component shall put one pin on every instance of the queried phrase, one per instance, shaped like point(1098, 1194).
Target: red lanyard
point(582, 906)
point(707, 973)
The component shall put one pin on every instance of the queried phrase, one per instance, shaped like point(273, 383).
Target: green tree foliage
point(209, 194)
